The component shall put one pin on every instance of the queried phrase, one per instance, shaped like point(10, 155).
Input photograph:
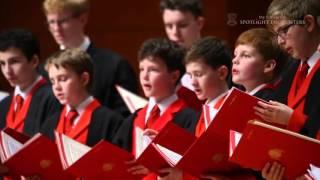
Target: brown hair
point(77, 7)
point(72, 59)
point(266, 44)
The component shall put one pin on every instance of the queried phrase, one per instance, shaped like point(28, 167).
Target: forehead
point(11, 53)
point(195, 66)
point(176, 15)
point(58, 14)
point(277, 22)
point(245, 47)
point(152, 61)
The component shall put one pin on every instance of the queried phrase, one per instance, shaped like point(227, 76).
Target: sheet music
point(172, 157)
point(11, 145)
point(73, 149)
point(142, 141)
point(314, 172)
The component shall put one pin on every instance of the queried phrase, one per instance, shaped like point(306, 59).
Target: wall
point(123, 25)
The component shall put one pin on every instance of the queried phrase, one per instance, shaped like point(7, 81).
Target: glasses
point(282, 32)
point(60, 22)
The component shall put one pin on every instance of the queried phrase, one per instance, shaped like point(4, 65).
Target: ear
point(269, 66)
point(35, 61)
point(85, 78)
point(175, 75)
point(200, 21)
point(223, 72)
point(310, 23)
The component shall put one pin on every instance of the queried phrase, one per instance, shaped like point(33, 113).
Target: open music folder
point(132, 100)
point(261, 143)
point(30, 156)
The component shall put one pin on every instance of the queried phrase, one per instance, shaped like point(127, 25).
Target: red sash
point(80, 131)
point(201, 127)
point(16, 122)
point(297, 100)
point(167, 116)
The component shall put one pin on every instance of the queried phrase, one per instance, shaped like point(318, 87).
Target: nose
point(280, 40)
point(235, 60)
point(144, 75)
point(176, 31)
point(56, 86)
point(194, 81)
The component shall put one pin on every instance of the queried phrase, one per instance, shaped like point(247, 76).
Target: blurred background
point(123, 25)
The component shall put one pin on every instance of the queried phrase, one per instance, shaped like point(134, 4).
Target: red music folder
point(210, 152)
point(234, 113)
point(102, 161)
point(170, 139)
point(37, 156)
point(261, 143)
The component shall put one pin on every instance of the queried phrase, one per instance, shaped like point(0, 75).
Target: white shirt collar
point(255, 90)
point(163, 105)
point(313, 60)
point(84, 45)
point(81, 108)
point(24, 93)
point(213, 102)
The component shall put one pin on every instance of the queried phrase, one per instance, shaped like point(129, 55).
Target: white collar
point(213, 102)
point(313, 60)
point(163, 105)
point(84, 45)
point(81, 108)
point(24, 93)
point(255, 90)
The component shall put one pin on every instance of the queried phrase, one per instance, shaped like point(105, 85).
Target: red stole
point(297, 100)
point(80, 130)
point(167, 116)
point(16, 121)
point(201, 128)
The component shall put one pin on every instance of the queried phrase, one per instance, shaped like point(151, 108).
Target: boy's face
point(67, 86)
point(182, 27)
point(155, 79)
point(206, 81)
point(66, 29)
point(293, 38)
point(248, 66)
point(17, 69)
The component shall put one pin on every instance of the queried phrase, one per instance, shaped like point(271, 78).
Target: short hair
point(169, 52)
point(77, 7)
point(72, 59)
point(265, 43)
point(193, 6)
point(292, 10)
point(21, 39)
point(210, 51)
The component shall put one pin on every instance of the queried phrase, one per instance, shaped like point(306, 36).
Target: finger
point(131, 162)
point(265, 170)
point(281, 173)
point(149, 132)
point(135, 168)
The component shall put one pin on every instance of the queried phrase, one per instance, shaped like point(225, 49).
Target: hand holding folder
point(268, 143)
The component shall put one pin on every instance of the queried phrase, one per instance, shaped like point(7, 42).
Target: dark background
point(122, 25)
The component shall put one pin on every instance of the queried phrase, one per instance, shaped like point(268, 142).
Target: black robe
point(43, 105)
point(104, 124)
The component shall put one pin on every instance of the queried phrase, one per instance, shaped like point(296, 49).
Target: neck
point(82, 97)
point(76, 42)
point(218, 92)
point(28, 83)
